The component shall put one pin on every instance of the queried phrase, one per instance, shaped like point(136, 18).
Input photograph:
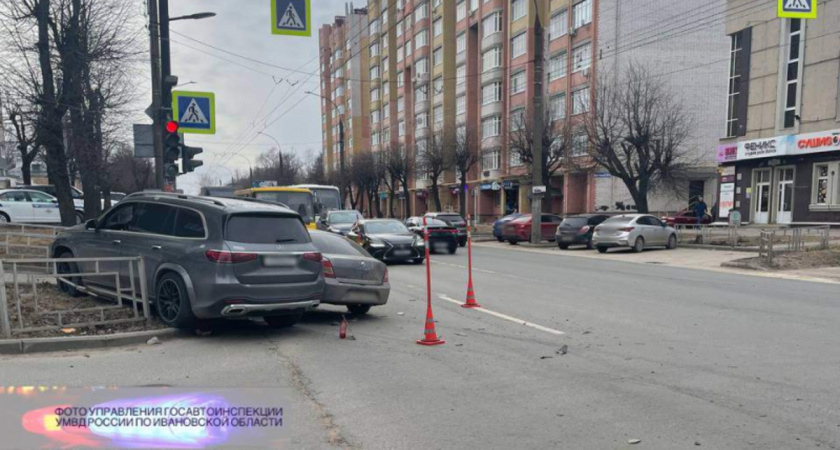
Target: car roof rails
point(174, 195)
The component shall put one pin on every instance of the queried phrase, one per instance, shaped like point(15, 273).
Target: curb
point(57, 344)
point(721, 248)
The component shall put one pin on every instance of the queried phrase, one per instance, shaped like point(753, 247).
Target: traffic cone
point(431, 337)
point(471, 303)
point(342, 328)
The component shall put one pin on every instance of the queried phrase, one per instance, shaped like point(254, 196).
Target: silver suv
point(205, 257)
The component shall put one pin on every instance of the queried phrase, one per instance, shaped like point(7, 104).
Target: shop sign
point(727, 199)
point(763, 148)
point(496, 186)
point(511, 184)
point(727, 174)
point(486, 186)
point(727, 152)
point(823, 141)
point(602, 175)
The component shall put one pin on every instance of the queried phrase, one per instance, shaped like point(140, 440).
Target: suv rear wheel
point(173, 302)
point(358, 310)
point(282, 321)
point(69, 267)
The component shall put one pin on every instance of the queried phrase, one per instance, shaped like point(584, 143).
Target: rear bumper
point(611, 241)
point(267, 309)
point(342, 293)
point(572, 239)
point(211, 299)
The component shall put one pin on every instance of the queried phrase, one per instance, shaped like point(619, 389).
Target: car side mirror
point(54, 201)
point(90, 224)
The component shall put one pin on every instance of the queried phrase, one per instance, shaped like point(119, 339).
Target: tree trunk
point(26, 171)
point(462, 195)
point(436, 194)
point(392, 195)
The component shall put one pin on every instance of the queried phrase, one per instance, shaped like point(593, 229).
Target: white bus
point(326, 197)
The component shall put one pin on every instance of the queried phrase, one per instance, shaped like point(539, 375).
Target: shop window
point(825, 192)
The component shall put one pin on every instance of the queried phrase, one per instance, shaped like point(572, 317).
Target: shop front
point(782, 180)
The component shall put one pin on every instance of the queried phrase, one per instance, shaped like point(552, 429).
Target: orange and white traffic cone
point(471, 302)
point(430, 335)
point(342, 328)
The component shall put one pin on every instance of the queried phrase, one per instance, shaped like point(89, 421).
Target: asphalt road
point(674, 357)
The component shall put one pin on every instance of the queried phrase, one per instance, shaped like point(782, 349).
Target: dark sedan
point(353, 277)
point(578, 230)
point(442, 236)
point(455, 221)
point(388, 240)
point(339, 221)
point(499, 225)
point(687, 217)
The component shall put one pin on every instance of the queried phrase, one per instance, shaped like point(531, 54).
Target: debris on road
point(634, 441)
point(586, 332)
point(460, 334)
point(546, 357)
point(400, 313)
point(153, 341)
point(563, 350)
point(68, 330)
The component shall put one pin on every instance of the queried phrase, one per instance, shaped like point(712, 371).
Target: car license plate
point(279, 261)
point(402, 252)
point(440, 246)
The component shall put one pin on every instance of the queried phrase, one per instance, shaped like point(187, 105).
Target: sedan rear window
point(265, 229)
point(619, 219)
point(330, 244)
point(575, 222)
point(454, 220)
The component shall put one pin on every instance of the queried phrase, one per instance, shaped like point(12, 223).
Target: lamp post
point(161, 70)
point(340, 144)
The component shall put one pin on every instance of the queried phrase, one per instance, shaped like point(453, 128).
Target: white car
point(20, 205)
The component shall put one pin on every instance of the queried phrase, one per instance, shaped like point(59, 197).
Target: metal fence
point(801, 236)
point(703, 234)
point(31, 229)
point(24, 292)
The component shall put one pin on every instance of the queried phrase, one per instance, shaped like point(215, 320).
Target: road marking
point(464, 267)
point(506, 317)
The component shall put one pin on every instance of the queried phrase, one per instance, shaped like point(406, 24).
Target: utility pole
point(157, 125)
point(341, 158)
point(539, 115)
point(164, 112)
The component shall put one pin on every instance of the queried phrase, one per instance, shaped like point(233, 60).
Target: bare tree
point(26, 145)
point(367, 174)
point(638, 131)
point(316, 171)
point(127, 173)
point(436, 160)
point(465, 157)
point(556, 143)
point(399, 169)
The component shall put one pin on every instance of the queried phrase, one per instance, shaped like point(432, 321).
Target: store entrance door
point(761, 210)
point(784, 195)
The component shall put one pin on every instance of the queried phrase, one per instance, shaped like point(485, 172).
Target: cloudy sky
point(259, 80)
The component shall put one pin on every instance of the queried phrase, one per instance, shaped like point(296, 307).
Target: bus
point(327, 198)
point(300, 200)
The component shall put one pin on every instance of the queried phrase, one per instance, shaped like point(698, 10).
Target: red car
point(687, 217)
point(519, 230)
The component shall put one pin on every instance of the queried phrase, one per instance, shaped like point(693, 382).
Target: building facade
point(780, 152)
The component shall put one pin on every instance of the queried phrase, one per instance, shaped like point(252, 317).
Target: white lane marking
point(411, 286)
point(464, 267)
point(506, 317)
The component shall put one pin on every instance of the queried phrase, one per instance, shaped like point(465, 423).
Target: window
point(559, 25)
point(515, 158)
point(558, 106)
point(400, 53)
point(739, 78)
point(421, 12)
point(580, 143)
point(437, 56)
point(557, 66)
point(400, 104)
point(793, 71)
point(374, 137)
point(583, 57)
point(401, 128)
point(374, 95)
point(374, 73)
point(421, 94)
point(491, 93)
point(580, 101)
point(437, 85)
point(461, 105)
point(374, 27)
point(461, 74)
point(422, 66)
point(408, 48)
point(384, 41)
point(386, 88)
point(461, 43)
point(420, 169)
point(437, 3)
point(438, 115)
point(490, 160)
point(384, 18)
point(518, 45)
point(421, 39)
point(491, 127)
point(517, 119)
point(492, 58)
point(374, 49)
point(518, 9)
point(260, 229)
point(492, 24)
point(437, 27)
point(517, 82)
point(461, 10)
point(582, 13)
point(40, 197)
point(400, 26)
point(374, 117)
point(119, 219)
point(400, 80)
point(826, 189)
point(473, 5)
point(385, 66)
point(422, 120)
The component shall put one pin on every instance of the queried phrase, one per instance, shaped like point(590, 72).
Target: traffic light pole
point(157, 78)
point(539, 114)
point(166, 72)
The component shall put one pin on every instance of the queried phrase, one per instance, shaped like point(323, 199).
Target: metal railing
point(800, 236)
point(704, 234)
point(66, 271)
point(766, 240)
point(32, 229)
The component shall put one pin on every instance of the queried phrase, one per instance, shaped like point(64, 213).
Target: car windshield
point(327, 198)
point(385, 227)
point(339, 218)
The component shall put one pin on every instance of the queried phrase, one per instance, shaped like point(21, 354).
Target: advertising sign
point(822, 141)
point(762, 148)
point(727, 152)
point(727, 199)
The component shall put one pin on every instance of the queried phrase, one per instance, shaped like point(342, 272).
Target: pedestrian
point(700, 209)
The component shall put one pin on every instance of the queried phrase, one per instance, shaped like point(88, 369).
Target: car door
point(658, 231)
point(16, 205)
point(44, 207)
point(106, 242)
point(152, 237)
point(548, 227)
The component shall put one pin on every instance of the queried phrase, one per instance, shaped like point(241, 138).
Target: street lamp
point(340, 143)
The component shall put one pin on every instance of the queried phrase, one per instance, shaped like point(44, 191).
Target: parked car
point(519, 230)
point(217, 191)
point(578, 230)
point(499, 225)
point(388, 240)
point(205, 257)
point(339, 221)
point(454, 220)
point(636, 231)
point(442, 236)
point(78, 198)
point(353, 277)
point(687, 217)
point(116, 197)
point(20, 206)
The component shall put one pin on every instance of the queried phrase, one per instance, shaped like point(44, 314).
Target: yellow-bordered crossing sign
point(798, 9)
point(195, 112)
point(291, 17)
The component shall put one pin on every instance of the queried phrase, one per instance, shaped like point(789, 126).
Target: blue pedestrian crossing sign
point(195, 112)
point(798, 9)
point(291, 17)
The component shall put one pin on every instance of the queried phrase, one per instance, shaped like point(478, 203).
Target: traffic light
point(171, 150)
point(188, 164)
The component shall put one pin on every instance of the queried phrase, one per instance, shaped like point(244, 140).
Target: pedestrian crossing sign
point(798, 9)
point(195, 112)
point(291, 17)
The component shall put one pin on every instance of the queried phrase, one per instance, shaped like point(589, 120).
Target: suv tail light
point(313, 256)
point(329, 271)
point(225, 257)
point(385, 279)
point(627, 229)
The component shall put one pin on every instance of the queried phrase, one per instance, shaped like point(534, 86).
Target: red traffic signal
point(172, 126)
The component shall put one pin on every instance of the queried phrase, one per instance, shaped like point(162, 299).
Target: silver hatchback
point(205, 257)
point(635, 231)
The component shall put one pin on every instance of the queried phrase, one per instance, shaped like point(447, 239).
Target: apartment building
point(780, 152)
